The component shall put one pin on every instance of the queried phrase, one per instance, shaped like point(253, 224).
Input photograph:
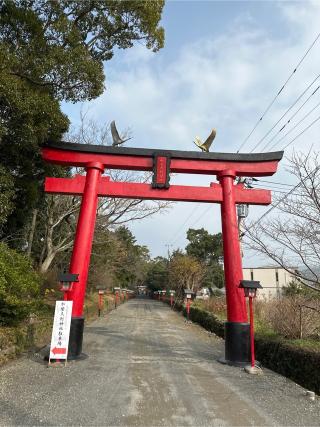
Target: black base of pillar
point(237, 344)
point(75, 338)
point(75, 342)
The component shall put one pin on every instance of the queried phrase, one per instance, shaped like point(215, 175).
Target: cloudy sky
point(222, 65)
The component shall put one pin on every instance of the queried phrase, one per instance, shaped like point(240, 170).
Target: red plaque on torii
point(225, 166)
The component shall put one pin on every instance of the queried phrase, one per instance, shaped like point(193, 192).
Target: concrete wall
point(272, 280)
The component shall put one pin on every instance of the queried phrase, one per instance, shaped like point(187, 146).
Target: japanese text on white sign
point(61, 330)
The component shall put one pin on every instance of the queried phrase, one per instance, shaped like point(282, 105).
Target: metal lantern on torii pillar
point(225, 166)
point(66, 283)
point(117, 295)
point(250, 288)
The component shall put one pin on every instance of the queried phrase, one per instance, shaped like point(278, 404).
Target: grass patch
point(307, 344)
point(264, 330)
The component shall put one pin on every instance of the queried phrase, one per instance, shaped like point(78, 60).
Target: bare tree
point(62, 211)
point(292, 237)
point(113, 212)
point(31, 233)
point(60, 221)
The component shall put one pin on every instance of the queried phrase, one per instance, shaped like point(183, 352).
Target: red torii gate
point(226, 166)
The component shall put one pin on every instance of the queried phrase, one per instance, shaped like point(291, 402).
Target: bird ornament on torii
point(205, 146)
point(116, 138)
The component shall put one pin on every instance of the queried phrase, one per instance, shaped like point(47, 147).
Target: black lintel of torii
point(173, 154)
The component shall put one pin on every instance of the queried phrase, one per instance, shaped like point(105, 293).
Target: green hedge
point(301, 366)
point(298, 364)
point(207, 320)
point(19, 287)
point(204, 318)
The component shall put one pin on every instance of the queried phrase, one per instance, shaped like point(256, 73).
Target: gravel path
point(147, 367)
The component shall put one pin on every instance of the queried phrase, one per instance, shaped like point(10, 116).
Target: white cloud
point(224, 82)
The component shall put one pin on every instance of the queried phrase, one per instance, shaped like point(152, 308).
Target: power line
point(294, 127)
point(285, 113)
point(301, 133)
point(202, 215)
point(279, 92)
point(180, 230)
point(282, 199)
point(274, 182)
point(276, 186)
point(281, 191)
point(274, 189)
point(193, 224)
point(284, 192)
point(177, 233)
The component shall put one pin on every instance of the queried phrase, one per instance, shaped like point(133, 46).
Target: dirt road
point(148, 367)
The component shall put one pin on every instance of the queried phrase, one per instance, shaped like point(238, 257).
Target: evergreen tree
point(53, 51)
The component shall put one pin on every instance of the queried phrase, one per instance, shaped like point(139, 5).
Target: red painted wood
point(212, 167)
point(251, 332)
point(100, 302)
point(76, 158)
point(236, 306)
point(81, 253)
point(188, 308)
point(117, 299)
point(129, 190)
point(161, 175)
point(112, 161)
point(226, 193)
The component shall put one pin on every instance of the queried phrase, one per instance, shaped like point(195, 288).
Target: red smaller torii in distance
point(226, 166)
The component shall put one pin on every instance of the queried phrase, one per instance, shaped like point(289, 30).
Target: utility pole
point(168, 247)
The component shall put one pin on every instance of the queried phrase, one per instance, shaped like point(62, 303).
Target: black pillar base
point(75, 338)
point(237, 344)
point(75, 342)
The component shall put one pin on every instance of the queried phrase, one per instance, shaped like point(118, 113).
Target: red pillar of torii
point(226, 166)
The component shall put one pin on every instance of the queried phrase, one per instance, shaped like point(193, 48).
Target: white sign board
point(61, 330)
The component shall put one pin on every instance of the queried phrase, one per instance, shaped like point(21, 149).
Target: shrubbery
point(284, 316)
point(299, 364)
point(19, 286)
point(281, 317)
point(216, 305)
point(207, 320)
point(6, 195)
